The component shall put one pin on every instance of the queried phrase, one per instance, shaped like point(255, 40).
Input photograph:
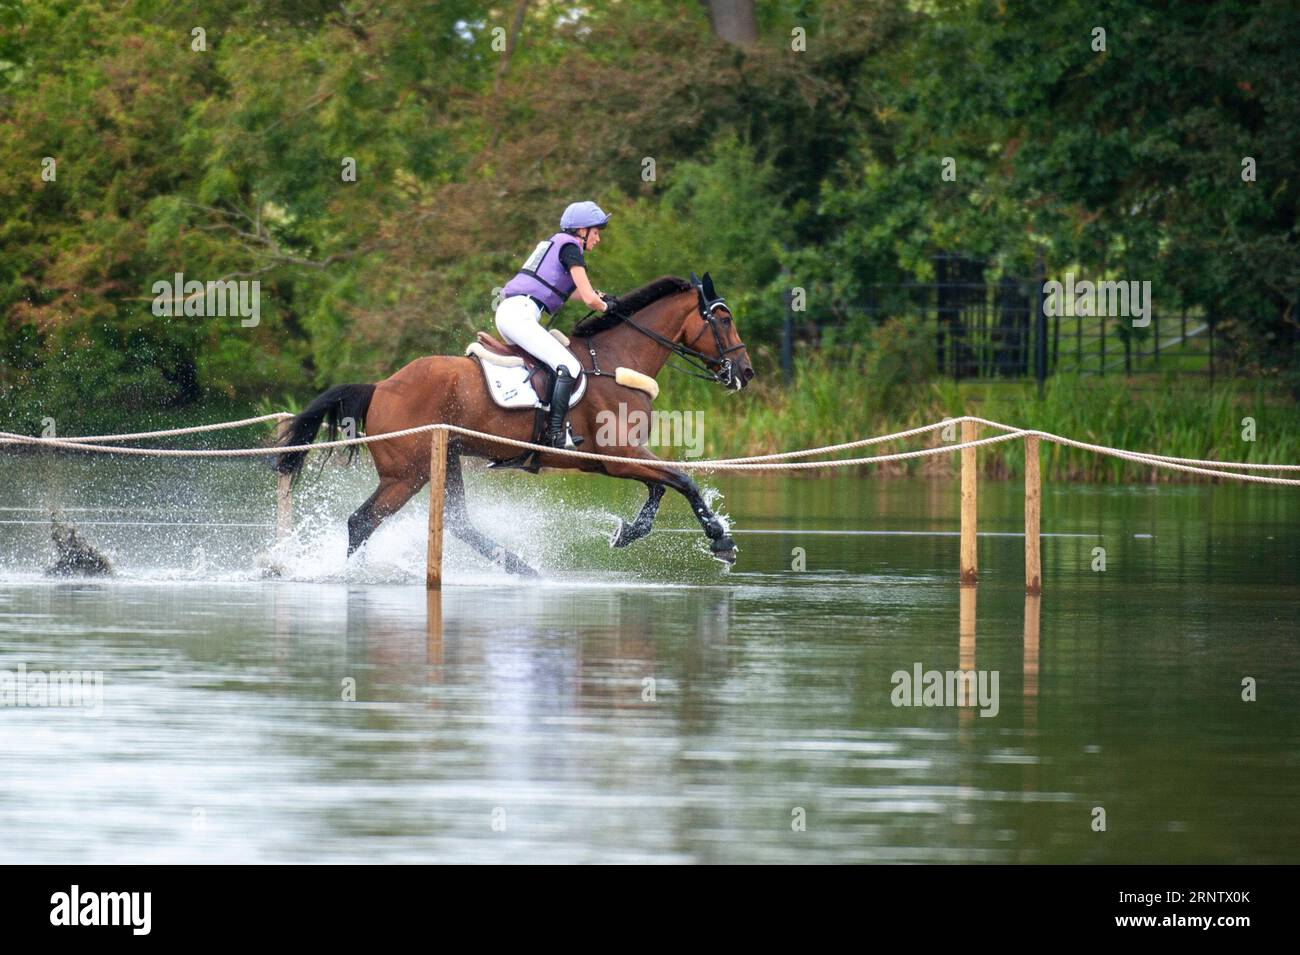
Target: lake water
point(647, 705)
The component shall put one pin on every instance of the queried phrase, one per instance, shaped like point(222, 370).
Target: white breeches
point(519, 322)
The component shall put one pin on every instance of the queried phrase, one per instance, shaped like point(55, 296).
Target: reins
point(692, 357)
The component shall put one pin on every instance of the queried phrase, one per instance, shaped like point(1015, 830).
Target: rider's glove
point(611, 302)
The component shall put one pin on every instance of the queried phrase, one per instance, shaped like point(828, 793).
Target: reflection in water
point(966, 715)
point(966, 660)
point(1030, 666)
point(770, 692)
point(433, 630)
point(1029, 697)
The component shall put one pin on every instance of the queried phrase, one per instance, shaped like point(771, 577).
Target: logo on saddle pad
point(513, 377)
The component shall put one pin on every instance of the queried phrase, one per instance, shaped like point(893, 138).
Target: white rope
point(1159, 457)
point(274, 416)
point(1158, 462)
point(770, 462)
point(736, 464)
point(849, 445)
point(1145, 459)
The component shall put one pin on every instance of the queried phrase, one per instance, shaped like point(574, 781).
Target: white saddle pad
point(507, 380)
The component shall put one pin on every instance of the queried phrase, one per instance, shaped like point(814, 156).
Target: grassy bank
point(834, 403)
point(874, 393)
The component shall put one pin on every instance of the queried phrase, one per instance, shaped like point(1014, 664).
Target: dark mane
point(631, 302)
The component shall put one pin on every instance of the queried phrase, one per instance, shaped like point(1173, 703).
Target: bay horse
point(669, 316)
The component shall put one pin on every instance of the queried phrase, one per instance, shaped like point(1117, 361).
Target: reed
point(830, 403)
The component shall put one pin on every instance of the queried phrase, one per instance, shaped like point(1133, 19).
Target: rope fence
point(764, 462)
point(781, 461)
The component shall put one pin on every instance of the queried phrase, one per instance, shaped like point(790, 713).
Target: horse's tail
point(332, 407)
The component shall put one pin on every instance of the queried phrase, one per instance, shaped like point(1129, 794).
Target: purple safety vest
point(542, 276)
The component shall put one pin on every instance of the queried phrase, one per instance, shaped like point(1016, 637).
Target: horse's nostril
point(747, 374)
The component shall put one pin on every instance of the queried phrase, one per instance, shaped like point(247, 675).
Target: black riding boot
point(562, 385)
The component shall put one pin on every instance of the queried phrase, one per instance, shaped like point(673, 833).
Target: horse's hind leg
point(387, 500)
point(361, 524)
point(457, 515)
point(625, 534)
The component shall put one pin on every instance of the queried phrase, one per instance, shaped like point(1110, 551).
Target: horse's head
point(710, 331)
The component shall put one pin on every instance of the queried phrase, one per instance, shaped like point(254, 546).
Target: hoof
point(724, 549)
point(513, 565)
point(619, 537)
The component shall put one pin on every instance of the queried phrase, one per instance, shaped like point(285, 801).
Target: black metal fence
point(1001, 329)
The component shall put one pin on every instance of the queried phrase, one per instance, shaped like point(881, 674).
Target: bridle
point(691, 356)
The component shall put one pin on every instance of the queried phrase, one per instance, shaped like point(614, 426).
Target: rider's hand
point(609, 300)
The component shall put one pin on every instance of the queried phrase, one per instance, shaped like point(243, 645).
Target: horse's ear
point(708, 287)
point(695, 281)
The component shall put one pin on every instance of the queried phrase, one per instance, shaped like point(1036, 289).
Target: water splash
point(186, 523)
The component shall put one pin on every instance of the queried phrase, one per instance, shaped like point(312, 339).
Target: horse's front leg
point(625, 534)
point(656, 472)
point(720, 542)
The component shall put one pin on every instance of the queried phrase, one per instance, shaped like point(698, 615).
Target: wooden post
point(437, 498)
point(1033, 506)
point(283, 494)
point(969, 563)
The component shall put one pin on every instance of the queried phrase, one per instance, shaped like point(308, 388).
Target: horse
point(669, 316)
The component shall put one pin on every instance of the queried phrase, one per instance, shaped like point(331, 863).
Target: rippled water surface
point(646, 705)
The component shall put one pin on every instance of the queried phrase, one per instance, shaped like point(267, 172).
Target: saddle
point(515, 379)
point(496, 352)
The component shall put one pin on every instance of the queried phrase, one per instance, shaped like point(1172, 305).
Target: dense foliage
point(773, 167)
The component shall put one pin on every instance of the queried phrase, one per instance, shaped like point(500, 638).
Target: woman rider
point(554, 271)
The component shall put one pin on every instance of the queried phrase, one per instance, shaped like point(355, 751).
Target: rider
point(554, 271)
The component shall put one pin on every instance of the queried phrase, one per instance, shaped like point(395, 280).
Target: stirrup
point(564, 440)
point(529, 461)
